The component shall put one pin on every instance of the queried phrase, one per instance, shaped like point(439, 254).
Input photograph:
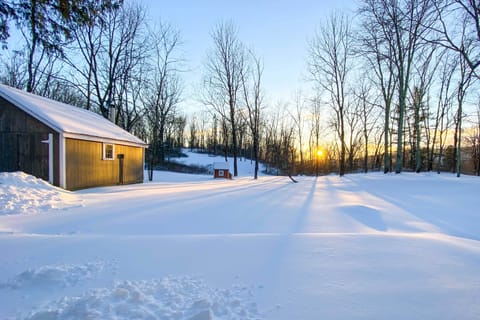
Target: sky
point(277, 31)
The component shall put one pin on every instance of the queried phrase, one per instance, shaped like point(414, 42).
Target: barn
point(70, 147)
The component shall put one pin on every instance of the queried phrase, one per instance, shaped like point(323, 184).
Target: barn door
point(120, 168)
point(31, 155)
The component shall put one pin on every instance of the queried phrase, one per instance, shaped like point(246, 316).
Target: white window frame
point(104, 154)
point(221, 173)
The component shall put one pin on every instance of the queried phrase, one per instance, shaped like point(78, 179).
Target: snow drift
point(23, 193)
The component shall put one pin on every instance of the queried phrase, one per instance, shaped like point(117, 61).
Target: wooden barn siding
point(85, 167)
point(21, 144)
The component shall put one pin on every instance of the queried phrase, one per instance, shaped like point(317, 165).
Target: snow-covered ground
point(189, 247)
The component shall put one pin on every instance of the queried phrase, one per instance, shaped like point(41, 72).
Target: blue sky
point(276, 30)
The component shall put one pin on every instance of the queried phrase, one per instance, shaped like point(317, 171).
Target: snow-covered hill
point(190, 247)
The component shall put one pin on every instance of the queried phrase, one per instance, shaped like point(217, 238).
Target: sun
point(319, 153)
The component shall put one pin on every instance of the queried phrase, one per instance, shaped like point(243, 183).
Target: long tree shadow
point(367, 216)
point(275, 264)
point(304, 210)
point(430, 203)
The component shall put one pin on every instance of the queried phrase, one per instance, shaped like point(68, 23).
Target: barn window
point(221, 173)
point(108, 151)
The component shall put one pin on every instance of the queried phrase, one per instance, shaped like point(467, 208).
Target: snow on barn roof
point(221, 166)
point(72, 121)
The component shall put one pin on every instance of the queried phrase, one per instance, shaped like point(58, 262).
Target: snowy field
point(189, 247)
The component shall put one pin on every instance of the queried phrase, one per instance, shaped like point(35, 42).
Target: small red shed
point(221, 170)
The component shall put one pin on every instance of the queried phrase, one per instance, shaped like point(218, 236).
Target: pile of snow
point(182, 298)
point(23, 193)
point(64, 275)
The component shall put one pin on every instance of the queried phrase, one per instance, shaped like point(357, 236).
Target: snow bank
point(23, 193)
point(182, 298)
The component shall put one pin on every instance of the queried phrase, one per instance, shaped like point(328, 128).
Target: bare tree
point(223, 78)
point(299, 120)
point(180, 123)
point(425, 69)
point(403, 25)
point(163, 86)
point(442, 117)
point(368, 118)
point(13, 73)
point(242, 132)
point(113, 50)
point(225, 128)
point(134, 75)
point(254, 102)
point(464, 82)
point(315, 127)
point(418, 106)
point(464, 37)
point(88, 48)
point(192, 130)
point(288, 150)
point(163, 90)
point(214, 140)
point(353, 132)
point(330, 54)
point(474, 141)
point(62, 91)
point(376, 48)
point(278, 142)
point(315, 130)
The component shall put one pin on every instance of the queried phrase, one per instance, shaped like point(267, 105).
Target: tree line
point(391, 87)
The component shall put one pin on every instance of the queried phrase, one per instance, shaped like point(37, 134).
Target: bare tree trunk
point(458, 156)
point(443, 105)
point(299, 124)
point(463, 85)
point(417, 106)
point(253, 100)
point(226, 138)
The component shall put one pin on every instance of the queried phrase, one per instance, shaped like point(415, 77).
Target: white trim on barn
point(62, 166)
point(108, 151)
point(49, 141)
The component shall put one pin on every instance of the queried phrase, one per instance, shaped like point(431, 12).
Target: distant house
point(70, 147)
point(221, 170)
